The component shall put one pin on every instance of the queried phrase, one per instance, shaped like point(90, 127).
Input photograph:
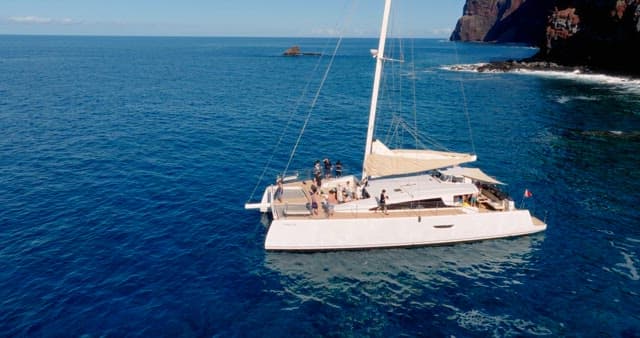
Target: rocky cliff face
point(601, 34)
point(519, 21)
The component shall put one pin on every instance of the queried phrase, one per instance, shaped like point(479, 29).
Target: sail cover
point(383, 161)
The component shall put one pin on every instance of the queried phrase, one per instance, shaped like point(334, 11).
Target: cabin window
point(421, 204)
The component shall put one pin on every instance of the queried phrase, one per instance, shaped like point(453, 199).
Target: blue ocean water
point(125, 164)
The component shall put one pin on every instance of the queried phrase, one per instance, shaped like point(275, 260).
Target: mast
point(376, 83)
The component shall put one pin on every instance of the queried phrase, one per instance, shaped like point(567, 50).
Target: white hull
point(392, 231)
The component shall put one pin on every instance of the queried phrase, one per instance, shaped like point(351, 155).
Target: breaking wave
point(632, 85)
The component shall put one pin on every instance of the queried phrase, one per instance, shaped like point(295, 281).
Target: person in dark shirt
point(327, 168)
point(382, 203)
point(338, 169)
point(279, 189)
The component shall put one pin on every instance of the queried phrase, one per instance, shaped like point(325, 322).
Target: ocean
point(125, 163)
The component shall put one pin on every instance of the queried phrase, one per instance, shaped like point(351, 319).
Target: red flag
point(527, 193)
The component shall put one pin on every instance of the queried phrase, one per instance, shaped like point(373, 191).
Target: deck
point(296, 201)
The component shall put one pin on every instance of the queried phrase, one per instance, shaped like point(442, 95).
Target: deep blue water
point(125, 164)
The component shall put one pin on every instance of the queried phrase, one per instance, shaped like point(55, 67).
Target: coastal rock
point(512, 65)
point(296, 51)
point(602, 35)
point(292, 51)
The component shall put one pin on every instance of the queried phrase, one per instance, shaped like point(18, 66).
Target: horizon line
point(221, 36)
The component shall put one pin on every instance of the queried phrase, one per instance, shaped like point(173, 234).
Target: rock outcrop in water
point(602, 35)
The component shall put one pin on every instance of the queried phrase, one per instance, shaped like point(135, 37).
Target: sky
point(254, 18)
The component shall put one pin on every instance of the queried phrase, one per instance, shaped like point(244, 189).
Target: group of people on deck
point(343, 192)
point(467, 200)
point(336, 195)
point(325, 170)
point(342, 195)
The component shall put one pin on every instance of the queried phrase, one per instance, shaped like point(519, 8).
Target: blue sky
point(294, 18)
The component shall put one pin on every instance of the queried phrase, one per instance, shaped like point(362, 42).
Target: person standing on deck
point(318, 179)
point(364, 193)
point(327, 168)
point(338, 169)
point(314, 200)
point(332, 200)
point(316, 168)
point(349, 192)
point(382, 203)
point(279, 189)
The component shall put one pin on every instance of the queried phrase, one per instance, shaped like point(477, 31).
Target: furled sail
point(383, 161)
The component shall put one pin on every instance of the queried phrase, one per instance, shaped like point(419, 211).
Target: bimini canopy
point(383, 161)
point(472, 173)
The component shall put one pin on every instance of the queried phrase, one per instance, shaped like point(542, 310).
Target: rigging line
point(416, 135)
point(282, 135)
point(392, 132)
point(289, 121)
point(414, 79)
point(317, 95)
point(387, 93)
point(313, 104)
point(398, 80)
point(464, 101)
point(390, 98)
point(390, 129)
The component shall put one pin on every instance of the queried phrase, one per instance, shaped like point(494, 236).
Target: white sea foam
point(471, 67)
point(565, 99)
point(629, 266)
point(627, 84)
point(478, 321)
point(584, 77)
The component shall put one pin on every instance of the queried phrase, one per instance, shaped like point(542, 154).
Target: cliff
point(600, 34)
point(517, 21)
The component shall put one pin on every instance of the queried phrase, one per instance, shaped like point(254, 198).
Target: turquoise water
point(125, 164)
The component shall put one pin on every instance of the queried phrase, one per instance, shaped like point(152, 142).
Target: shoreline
point(542, 66)
point(550, 69)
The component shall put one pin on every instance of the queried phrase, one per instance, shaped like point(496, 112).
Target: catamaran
point(405, 197)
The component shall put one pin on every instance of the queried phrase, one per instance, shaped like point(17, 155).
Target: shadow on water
point(426, 264)
point(436, 287)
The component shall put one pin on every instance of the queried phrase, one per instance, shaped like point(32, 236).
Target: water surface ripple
point(125, 164)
